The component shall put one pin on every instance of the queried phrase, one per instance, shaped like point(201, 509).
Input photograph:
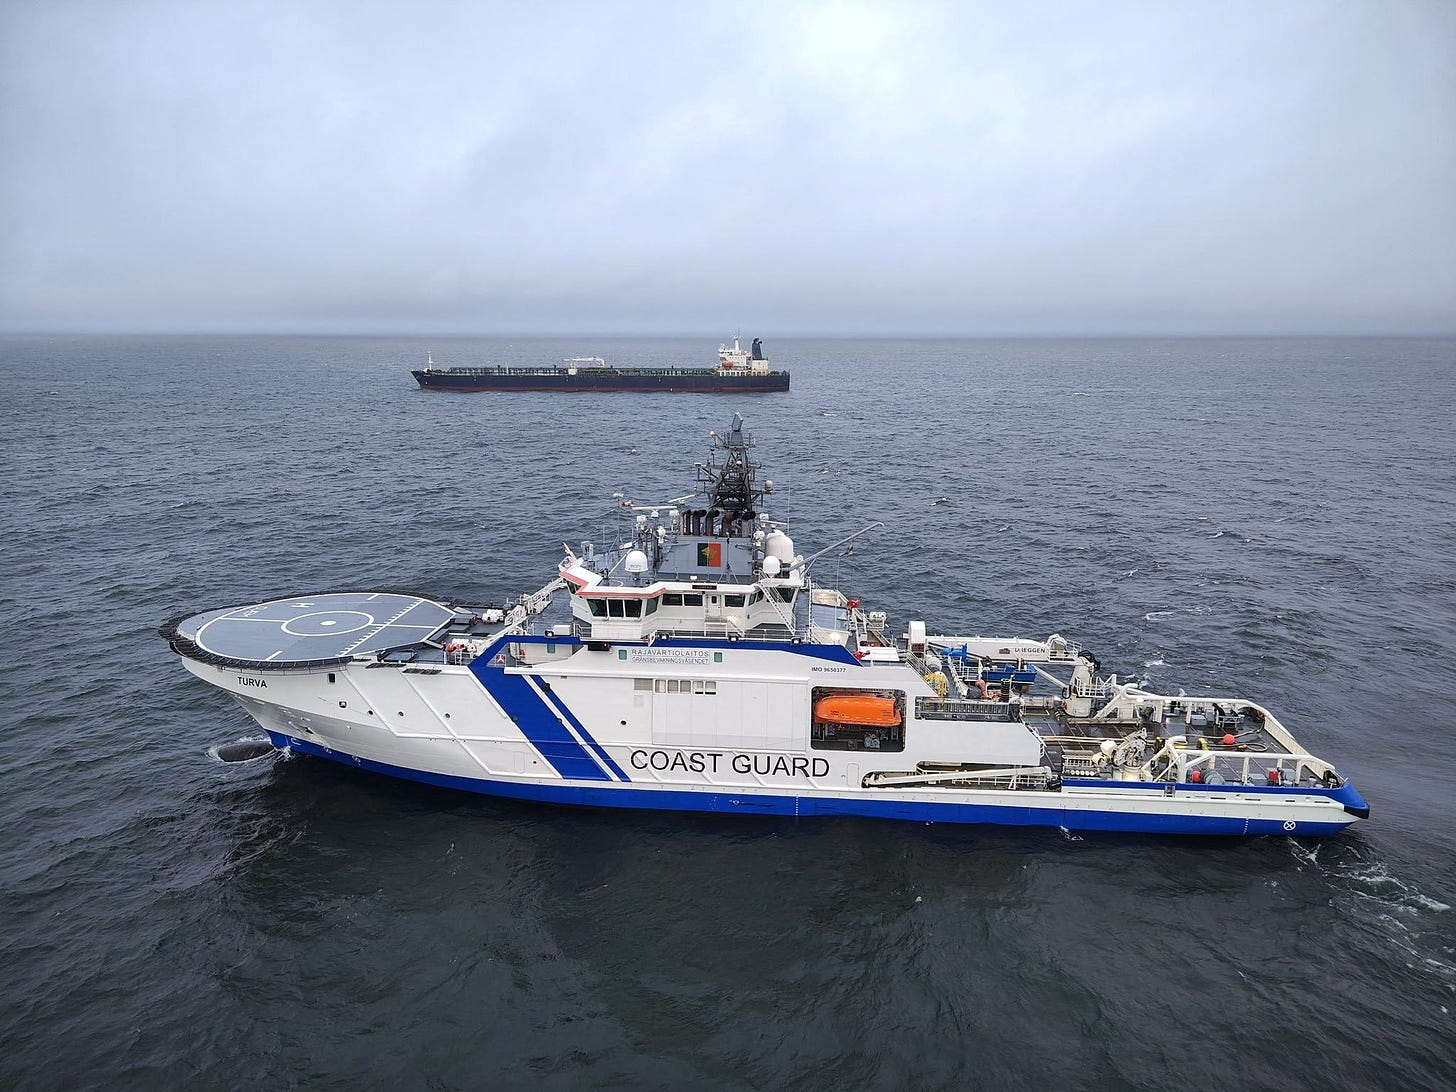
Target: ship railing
point(722, 627)
point(532, 603)
point(724, 631)
point(1002, 777)
point(730, 633)
point(1040, 703)
point(963, 709)
point(1178, 762)
point(923, 665)
point(1081, 765)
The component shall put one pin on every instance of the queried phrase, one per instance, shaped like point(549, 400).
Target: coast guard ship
point(702, 668)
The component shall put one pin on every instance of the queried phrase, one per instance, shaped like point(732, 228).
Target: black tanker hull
point(667, 380)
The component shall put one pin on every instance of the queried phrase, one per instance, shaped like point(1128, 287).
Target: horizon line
point(811, 335)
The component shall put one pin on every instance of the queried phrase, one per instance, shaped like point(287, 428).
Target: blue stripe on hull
point(538, 723)
point(727, 801)
point(597, 748)
point(833, 653)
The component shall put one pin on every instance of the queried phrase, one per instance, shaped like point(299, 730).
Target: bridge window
point(733, 600)
point(672, 599)
point(598, 607)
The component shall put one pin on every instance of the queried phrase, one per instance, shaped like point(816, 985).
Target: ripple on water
point(174, 919)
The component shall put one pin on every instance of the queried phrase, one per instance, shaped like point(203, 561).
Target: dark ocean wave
point(1275, 518)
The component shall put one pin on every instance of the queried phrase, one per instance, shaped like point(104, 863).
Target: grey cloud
point(937, 168)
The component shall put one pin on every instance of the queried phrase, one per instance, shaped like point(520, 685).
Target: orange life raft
point(870, 710)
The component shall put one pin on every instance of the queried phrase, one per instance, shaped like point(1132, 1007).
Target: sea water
point(1270, 518)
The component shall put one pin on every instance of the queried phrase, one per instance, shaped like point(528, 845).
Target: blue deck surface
point(317, 627)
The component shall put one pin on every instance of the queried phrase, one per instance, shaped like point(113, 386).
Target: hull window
point(683, 686)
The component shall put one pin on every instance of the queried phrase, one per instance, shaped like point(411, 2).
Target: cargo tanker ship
point(738, 371)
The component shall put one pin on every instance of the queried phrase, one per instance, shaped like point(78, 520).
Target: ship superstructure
point(699, 666)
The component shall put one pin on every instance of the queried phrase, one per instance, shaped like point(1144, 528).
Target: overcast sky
point(686, 167)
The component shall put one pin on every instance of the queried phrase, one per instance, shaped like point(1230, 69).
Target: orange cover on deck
point(865, 709)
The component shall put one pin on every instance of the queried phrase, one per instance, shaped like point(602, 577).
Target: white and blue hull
point(703, 669)
point(589, 735)
point(1079, 807)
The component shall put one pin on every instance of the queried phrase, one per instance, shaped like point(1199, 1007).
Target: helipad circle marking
point(326, 623)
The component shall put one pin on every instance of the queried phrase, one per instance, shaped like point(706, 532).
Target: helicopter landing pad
point(316, 627)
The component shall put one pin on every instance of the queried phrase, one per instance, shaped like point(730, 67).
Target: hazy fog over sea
point(919, 169)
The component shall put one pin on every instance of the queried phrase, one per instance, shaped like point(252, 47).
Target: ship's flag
point(710, 555)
